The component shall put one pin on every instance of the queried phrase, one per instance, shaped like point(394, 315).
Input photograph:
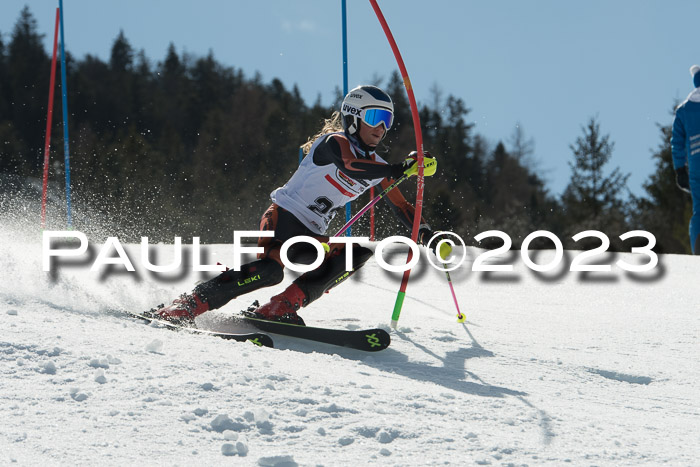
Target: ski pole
point(442, 257)
point(370, 204)
point(460, 317)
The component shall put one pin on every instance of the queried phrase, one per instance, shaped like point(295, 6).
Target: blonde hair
point(330, 125)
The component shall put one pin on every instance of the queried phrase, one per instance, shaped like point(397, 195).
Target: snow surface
point(587, 369)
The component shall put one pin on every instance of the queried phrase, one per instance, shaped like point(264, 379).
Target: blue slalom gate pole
point(64, 92)
point(348, 211)
point(345, 48)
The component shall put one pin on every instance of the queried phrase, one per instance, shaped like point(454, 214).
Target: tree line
point(189, 147)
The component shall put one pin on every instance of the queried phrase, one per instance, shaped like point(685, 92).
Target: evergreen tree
point(88, 94)
point(454, 191)
point(121, 76)
point(516, 200)
point(541, 203)
point(27, 78)
point(175, 97)
point(144, 92)
point(121, 59)
point(594, 200)
point(401, 138)
point(4, 91)
point(521, 147)
point(11, 149)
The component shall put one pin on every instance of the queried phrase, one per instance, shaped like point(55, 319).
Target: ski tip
point(262, 340)
point(377, 339)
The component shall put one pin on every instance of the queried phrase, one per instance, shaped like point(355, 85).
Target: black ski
point(369, 340)
point(257, 338)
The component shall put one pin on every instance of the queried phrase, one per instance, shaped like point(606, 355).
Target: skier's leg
point(220, 290)
point(267, 270)
point(694, 181)
point(331, 273)
point(310, 286)
point(695, 226)
point(230, 284)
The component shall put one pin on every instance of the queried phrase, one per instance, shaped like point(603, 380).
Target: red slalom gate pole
point(419, 149)
point(49, 115)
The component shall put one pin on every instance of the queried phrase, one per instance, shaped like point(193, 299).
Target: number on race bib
point(322, 207)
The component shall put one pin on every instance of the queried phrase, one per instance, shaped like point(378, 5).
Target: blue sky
point(548, 65)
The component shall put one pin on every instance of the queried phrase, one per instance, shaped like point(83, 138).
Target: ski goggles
point(374, 117)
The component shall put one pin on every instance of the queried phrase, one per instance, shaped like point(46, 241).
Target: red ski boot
point(183, 310)
point(283, 307)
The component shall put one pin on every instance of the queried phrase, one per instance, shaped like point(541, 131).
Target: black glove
point(682, 179)
point(424, 236)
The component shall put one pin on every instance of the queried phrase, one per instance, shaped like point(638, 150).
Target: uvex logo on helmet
point(351, 110)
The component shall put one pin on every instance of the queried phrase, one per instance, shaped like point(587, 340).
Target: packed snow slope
point(562, 367)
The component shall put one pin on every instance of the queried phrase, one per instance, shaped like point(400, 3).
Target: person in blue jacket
point(685, 147)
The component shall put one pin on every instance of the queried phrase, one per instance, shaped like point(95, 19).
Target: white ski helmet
point(369, 104)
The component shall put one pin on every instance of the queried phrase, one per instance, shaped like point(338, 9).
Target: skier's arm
point(402, 209)
point(336, 150)
point(679, 153)
point(678, 142)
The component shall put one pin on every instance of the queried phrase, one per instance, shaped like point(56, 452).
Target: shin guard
point(331, 273)
point(230, 284)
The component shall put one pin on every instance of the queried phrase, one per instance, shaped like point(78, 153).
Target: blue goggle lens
point(374, 117)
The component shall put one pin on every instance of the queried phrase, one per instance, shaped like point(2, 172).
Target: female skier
point(340, 164)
